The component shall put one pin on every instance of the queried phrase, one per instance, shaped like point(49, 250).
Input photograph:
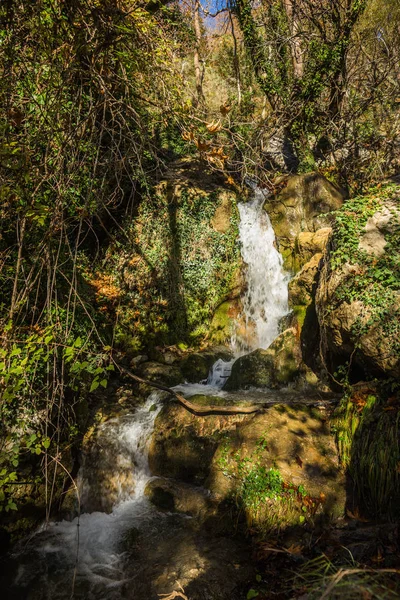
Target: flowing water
point(265, 299)
point(87, 557)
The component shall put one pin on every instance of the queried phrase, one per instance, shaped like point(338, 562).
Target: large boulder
point(358, 296)
point(304, 205)
point(183, 444)
point(225, 454)
point(275, 367)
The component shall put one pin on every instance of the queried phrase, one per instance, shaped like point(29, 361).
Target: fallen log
point(200, 411)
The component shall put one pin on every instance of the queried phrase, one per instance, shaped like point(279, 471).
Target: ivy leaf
point(94, 386)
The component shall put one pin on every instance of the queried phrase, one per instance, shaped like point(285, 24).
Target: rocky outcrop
point(358, 296)
point(183, 445)
point(219, 452)
point(302, 287)
point(303, 206)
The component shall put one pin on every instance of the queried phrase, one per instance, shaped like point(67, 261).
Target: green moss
point(300, 312)
point(175, 269)
point(368, 439)
point(221, 324)
point(202, 400)
point(378, 277)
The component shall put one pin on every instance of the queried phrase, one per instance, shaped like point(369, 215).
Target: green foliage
point(367, 434)
point(29, 403)
point(84, 94)
point(176, 270)
point(377, 279)
point(260, 491)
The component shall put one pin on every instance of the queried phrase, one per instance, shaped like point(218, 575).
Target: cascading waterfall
point(87, 553)
point(265, 300)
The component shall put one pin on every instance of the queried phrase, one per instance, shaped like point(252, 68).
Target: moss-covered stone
point(275, 367)
point(295, 441)
point(196, 366)
point(358, 297)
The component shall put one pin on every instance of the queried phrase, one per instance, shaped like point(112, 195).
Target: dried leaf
point(299, 461)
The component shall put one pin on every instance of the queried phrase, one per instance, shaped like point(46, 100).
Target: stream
point(121, 546)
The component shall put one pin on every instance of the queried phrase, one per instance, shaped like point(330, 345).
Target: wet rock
point(221, 326)
point(275, 367)
point(196, 366)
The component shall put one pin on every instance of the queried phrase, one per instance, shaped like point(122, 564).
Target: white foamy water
point(265, 300)
point(89, 551)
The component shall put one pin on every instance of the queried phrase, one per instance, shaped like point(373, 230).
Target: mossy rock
point(168, 375)
point(221, 324)
point(296, 442)
point(358, 297)
point(275, 367)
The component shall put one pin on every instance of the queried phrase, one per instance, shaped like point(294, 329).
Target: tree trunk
point(295, 42)
point(197, 62)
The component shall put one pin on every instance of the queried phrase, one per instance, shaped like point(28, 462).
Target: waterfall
point(88, 553)
point(265, 299)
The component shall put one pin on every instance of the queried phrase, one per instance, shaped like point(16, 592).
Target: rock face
point(168, 375)
point(303, 286)
point(358, 296)
point(304, 206)
point(183, 445)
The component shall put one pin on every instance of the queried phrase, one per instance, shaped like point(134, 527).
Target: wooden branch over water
point(200, 411)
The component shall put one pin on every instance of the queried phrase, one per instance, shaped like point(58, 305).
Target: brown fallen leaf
point(356, 516)
point(299, 461)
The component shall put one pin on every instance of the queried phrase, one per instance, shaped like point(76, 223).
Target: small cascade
point(219, 373)
point(265, 300)
point(87, 554)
